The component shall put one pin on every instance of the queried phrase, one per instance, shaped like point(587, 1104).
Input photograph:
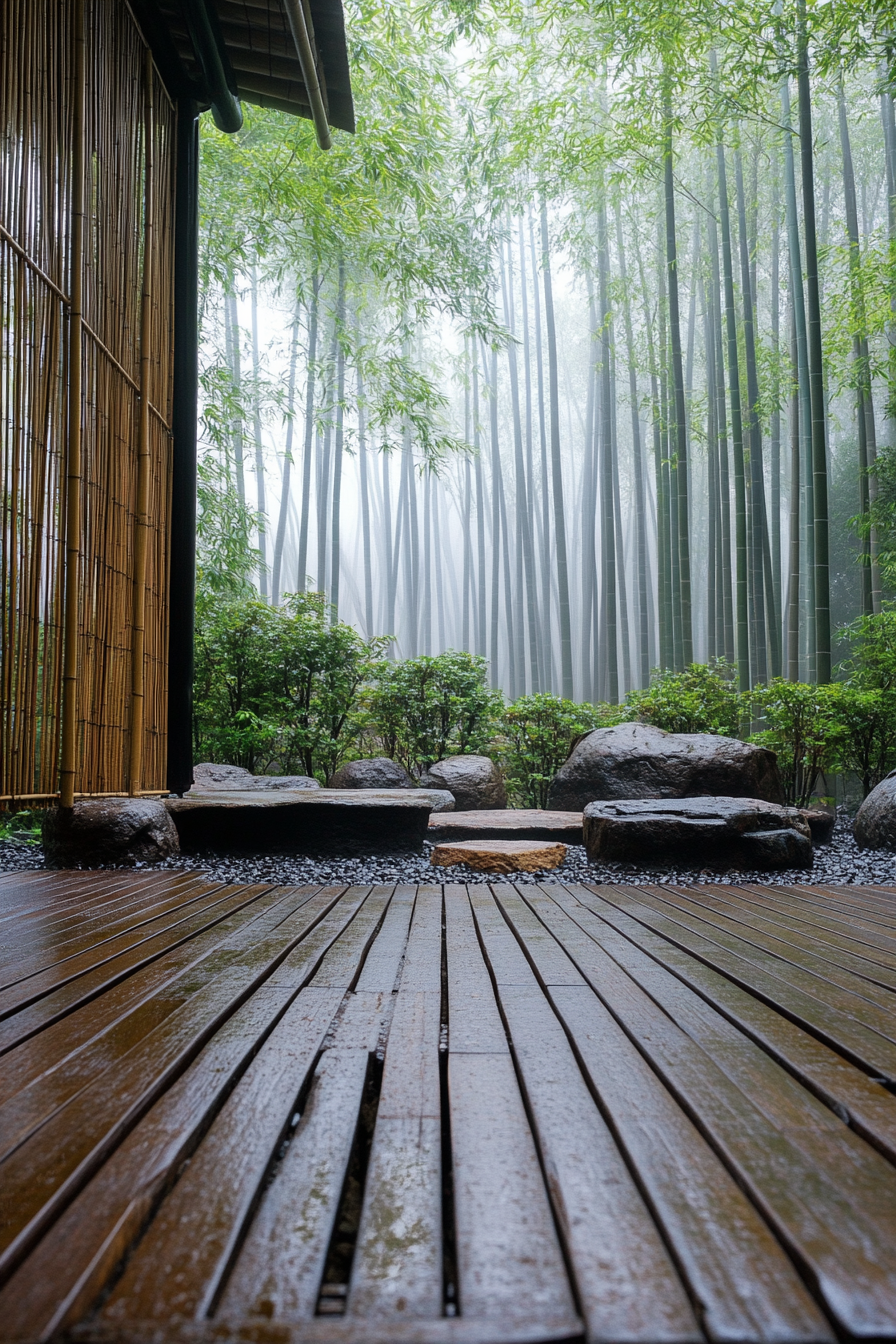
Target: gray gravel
point(840, 862)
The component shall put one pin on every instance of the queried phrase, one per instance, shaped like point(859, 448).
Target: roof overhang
point(284, 54)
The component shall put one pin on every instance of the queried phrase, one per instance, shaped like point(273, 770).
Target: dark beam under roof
point(264, 66)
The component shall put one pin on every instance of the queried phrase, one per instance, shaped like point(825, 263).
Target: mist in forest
point(577, 356)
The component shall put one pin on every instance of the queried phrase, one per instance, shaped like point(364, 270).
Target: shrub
point(702, 699)
point(423, 709)
point(277, 687)
point(803, 730)
point(865, 723)
point(538, 734)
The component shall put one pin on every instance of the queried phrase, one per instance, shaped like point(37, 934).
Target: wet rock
point(109, 830)
point(512, 823)
point(636, 760)
point(499, 856)
point(475, 782)
point(875, 826)
point(343, 821)
point(693, 832)
point(377, 772)
point(821, 822)
point(208, 777)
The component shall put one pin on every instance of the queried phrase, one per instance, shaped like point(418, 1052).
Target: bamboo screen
point(86, 268)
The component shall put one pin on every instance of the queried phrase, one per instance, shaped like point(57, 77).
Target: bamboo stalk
point(69, 754)
point(141, 527)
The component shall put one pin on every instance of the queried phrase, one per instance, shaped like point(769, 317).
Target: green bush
point(276, 688)
point(423, 709)
point(865, 724)
point(538, 733)
point(702, 699)
point(803, 728)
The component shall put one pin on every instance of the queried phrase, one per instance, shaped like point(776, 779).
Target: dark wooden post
point(182, 556)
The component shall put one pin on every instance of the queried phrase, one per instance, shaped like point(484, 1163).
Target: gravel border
point(840, 863)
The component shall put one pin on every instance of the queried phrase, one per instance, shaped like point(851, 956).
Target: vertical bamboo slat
point(86, 306)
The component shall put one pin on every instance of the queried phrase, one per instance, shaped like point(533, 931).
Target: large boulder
point(109, 830)
point(717, 832)
point(636, 760)
point(875, 825)
point(209, 777)
point(475, 781)
point(378, 772)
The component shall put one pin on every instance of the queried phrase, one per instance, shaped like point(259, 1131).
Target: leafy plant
point(803, 729)
point(538, 733)
point(423, 709)
point(866, 733)
point(701, 699)
point(23, 827)
point(276, 688)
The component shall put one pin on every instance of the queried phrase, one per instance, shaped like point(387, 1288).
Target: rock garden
point(434, 779)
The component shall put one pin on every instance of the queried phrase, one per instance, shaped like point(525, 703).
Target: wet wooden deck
point(645, 1115)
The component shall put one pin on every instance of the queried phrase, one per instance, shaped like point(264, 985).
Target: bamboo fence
point(86, 276)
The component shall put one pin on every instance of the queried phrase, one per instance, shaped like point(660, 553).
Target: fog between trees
point(579, 354)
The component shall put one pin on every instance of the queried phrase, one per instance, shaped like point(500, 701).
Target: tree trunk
point(301, 576)
point(639, 469)
point(232, 338)
point(557, 470)
point(335, 556)
point(259, 451)
point(286, 472)
point(721, 420)
point(740, 499)
point(608, 628)
point(816, 365)
point(547, 641)
point(860, 358)
point(680, 424)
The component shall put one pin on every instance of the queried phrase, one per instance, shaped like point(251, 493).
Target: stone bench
point(345, 821)
point(715, 832)
point(516, 823)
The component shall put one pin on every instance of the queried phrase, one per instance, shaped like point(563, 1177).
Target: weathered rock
point(875, 825)
point(636, 760)
point(499, 856)
point(512, 823)
point(719, 832)
point(475, 781)
point(208, 776)
point(378, 772)
point(821, 822)
point(342, 821)
point(109, 830)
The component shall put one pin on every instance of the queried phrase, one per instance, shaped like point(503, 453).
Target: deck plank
point(655, 1113)
point(627, 1284)
point(200, 1226)
point(280, 1267)
point(761, 1136)
point(734, 1267)
point(397, 1268)
point(850, 1093)
point(509, 1256)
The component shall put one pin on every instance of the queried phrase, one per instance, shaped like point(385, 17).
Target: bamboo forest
point(579, 355)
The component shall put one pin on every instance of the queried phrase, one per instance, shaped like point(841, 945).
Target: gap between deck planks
point(650, 1115)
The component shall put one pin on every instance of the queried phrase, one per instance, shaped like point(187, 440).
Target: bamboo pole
point(141, 521)
point(69, 753)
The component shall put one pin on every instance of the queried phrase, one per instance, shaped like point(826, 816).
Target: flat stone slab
point(722, 832)
point(346, 821)
point(517, 823)
point(499, 856)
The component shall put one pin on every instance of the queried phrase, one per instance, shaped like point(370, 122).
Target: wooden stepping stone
point(500, 856)
point(508, 823)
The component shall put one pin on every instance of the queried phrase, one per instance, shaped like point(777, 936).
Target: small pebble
point(841, 862)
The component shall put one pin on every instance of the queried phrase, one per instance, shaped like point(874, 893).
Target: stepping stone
point(499, 856)
point(724, 832)
point(311, 821)
point(517, 823)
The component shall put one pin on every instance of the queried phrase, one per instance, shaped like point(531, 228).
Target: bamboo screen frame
point(86, 371)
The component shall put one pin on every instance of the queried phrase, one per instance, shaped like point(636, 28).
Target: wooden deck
point(384, 1115)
